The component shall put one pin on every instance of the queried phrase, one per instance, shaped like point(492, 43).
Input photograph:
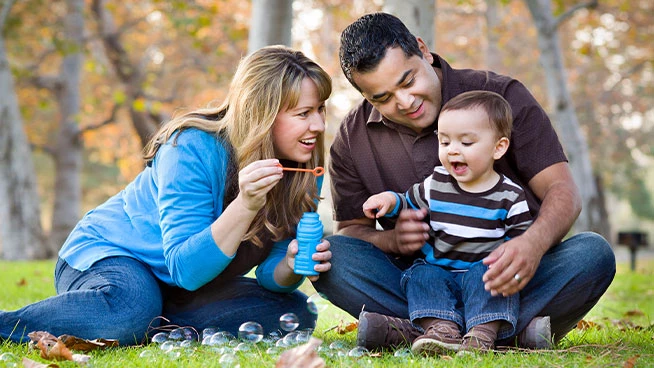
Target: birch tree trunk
point(270, 23)
point(564, 113)
point(419, 16)
point(68, 147)
point(20, 214)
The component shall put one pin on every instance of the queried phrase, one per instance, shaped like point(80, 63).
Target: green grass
point(622, 335)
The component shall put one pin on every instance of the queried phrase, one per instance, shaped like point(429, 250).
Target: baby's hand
point(378, 205)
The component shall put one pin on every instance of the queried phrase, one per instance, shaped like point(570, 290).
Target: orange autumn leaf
point(22, 282)
point(347, 328)
point(631, 362)
point(586, 325)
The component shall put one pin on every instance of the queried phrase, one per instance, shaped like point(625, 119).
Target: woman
point(211, 204)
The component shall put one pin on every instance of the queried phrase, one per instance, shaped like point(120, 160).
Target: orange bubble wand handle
point(318, 171)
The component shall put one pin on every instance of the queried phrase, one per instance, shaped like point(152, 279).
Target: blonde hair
point(265, 82)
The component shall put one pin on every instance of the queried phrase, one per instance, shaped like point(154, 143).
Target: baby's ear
point(501, 147)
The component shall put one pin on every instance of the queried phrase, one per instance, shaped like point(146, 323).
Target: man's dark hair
point(364, 43)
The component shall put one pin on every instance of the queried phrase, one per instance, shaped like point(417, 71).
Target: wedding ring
point(517, 278)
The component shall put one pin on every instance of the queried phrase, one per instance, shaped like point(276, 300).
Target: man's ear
point(501, 147)
point(425, 50)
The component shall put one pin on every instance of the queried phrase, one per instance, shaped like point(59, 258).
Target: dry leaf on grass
point(29, 363)
point(587, 325)
point(53, 348)
point(76, 343)
point(343, 328)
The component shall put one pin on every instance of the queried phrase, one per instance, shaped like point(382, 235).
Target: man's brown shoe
point(440, 337)
point(377, 331)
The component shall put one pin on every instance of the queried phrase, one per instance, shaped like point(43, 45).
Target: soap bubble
point(176, 334)
point(220, 338)
point(317, 303)
point(160, 337)
point(290, 338)
point(250, 332)
point(9, 360)
point(146, 354)
point(358, 351)
point(243, 346)
point(228, 360)
point(303, 336)
point(168, 345)
point(209, 331)
point(337, 345)
point(289, 322)
point(402, 352)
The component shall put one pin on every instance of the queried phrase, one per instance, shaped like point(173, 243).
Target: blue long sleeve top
point(163, 218)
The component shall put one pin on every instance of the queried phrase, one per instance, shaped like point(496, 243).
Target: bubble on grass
point(176, 334)
point(405, 352)
point(168, 345)
point(186, 344)
point(289, 322)
point(190, 334)
point(146, 354)
point(290, 338)
point(273, 350)
point(358, 351)
point(251, 332)
point(281, 343)
point(160, 337)
point(303, 336)
point(243, 346)
point(209, 331)
point(317, 303)
point(220, 338)
point(173, 354)
point(337, 345)
point(9, 360)
point(228, 360)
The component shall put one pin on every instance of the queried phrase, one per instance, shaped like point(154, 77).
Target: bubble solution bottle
point(309, 234)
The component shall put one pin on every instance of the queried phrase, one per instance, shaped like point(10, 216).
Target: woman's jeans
point(119, 298)
point(458, 296)
point(569, 281)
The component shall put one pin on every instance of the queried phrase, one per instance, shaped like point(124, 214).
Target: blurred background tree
point(144, 61)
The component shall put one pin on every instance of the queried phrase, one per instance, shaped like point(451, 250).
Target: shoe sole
point(361, 331)
point(432, 347)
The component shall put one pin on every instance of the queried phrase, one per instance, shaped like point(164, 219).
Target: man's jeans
point(458, 296)
point(569, 281)
point(119, 298)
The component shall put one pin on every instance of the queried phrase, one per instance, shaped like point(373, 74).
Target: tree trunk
point(418, 15)
point(69, 145)
point(129, 73)
point(493, 55)
point(21, 234)
point(564, 113)
point(270, 23)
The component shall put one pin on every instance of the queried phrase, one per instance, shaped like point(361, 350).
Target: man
point(388, 143)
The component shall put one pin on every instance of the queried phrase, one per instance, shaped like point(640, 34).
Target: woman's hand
point(322, 255)
point(255, 181)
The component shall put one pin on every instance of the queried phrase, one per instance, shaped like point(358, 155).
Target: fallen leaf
point(21, 282)
point(76, 343)
point(347, 328)
point(57, 352)
point(586, 325)
point(631, 362)
point(29, 363)
point(51, 347)
point(634, 313)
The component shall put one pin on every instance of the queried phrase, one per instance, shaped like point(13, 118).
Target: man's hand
point(411, 232)
point(511, 266)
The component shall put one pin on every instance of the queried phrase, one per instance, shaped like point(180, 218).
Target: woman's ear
point(501, 147)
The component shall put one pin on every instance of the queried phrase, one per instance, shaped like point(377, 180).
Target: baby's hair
point(496, 107)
